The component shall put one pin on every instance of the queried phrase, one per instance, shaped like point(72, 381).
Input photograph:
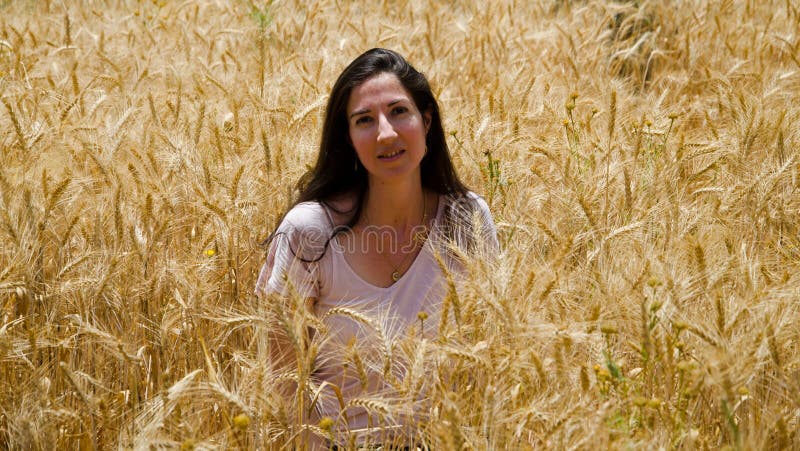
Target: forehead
point(377, 91)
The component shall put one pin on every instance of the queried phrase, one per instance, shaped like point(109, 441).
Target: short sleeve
point(468, 224)
point(294, 253)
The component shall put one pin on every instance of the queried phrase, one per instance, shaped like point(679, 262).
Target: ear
point(427, 118)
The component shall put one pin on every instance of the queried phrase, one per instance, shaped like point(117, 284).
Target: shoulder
point(480, 203)
point(467, 204)
point(468, 220)
point(306, 216)
point(324, 213)
point(306, 228)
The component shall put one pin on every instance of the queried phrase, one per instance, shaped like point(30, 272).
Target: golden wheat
point(639, 158)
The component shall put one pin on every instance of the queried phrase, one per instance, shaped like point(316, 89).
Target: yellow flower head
point(326, 423)
point(209, 252)
point(743, 391)
point(241, 421)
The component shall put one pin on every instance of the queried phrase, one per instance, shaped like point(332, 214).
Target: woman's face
point(387, 129)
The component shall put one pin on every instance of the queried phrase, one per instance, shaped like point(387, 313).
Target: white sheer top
point(304, 260)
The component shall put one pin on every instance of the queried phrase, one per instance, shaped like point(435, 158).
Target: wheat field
point(640, 159)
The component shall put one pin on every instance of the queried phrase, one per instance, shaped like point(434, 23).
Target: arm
point(287, 289)
point(291, 359)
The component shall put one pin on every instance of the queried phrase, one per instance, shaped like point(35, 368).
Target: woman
point(379, 219)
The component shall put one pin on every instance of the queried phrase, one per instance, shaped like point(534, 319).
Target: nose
point(386, 131)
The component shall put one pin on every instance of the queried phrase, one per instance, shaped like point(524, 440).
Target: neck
point(395, 205)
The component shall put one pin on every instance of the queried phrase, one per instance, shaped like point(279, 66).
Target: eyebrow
point(367, 110)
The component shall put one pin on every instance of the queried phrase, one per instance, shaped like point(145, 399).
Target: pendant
point(395, 275)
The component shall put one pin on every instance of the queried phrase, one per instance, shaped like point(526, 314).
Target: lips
point(391, 155)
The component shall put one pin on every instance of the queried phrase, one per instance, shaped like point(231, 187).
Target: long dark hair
point(337, 170)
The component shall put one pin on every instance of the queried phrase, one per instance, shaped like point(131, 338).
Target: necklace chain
point(419, 236)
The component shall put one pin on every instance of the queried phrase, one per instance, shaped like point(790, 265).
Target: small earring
point(355, 165)
point(426, 150)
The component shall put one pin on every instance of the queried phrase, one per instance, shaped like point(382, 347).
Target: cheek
point(407, 126)
point(416, 129)
point(358, 140)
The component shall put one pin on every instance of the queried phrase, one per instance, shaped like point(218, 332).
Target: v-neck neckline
point(337, 250)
